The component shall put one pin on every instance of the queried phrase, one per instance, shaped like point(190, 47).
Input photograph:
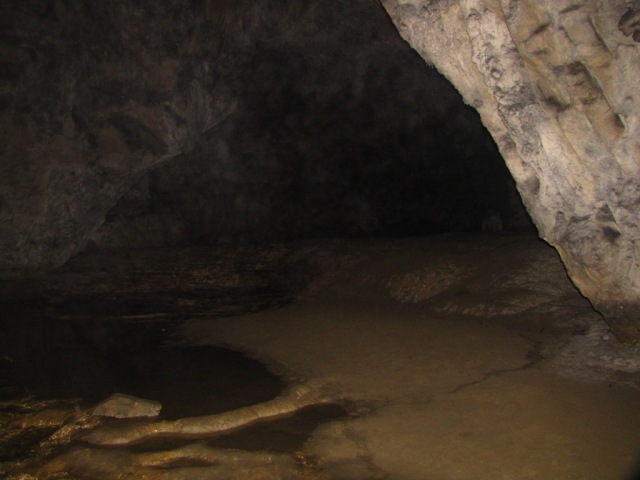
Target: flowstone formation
point(556, 83)
point(192, 457)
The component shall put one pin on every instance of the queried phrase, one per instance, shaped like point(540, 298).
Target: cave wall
point(91, 98)
point(556, 83)
point(99, 99)
point(145, 123)
point(357, 138)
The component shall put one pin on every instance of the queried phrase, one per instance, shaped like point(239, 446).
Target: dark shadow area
point(90, 360)
point(105, 324)
point(338, 129)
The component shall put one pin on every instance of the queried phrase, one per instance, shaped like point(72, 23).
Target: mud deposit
point(444, 358)
point(105, 324)
point(53, 369)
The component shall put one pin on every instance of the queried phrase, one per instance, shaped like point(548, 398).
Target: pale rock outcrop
point(120, 405)
point(556, 83)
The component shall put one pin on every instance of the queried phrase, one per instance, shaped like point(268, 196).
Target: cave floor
point(468, 359)
point(452, 357)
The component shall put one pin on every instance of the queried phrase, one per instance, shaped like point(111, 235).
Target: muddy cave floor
point(444, 358)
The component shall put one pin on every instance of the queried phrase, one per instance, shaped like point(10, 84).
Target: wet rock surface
point(120, 405)
point(165, 283)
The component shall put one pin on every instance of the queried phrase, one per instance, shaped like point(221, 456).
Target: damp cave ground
point(454, 356)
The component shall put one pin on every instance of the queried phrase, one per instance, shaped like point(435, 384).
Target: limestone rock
point(556, 83)
point(120, 405)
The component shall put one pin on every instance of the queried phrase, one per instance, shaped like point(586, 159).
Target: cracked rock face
point(556, 83)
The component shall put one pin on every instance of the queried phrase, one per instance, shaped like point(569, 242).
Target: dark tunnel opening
point(336, 131)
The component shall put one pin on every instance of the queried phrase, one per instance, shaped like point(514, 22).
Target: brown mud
point(444, 358)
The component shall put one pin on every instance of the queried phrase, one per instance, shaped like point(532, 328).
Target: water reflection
point(91, 360)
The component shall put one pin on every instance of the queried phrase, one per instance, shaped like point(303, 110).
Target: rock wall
point(151, 122)
point(95, 96)
point(556, 83)
point(91, 98)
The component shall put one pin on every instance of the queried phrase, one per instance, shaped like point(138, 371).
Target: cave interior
point(301, 136)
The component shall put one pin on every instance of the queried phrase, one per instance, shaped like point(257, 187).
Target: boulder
point(120, 405)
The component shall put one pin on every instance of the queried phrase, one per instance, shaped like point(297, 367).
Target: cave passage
point(336, 131)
